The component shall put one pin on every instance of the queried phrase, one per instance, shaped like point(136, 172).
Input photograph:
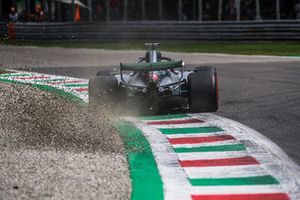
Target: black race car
point(159, 84)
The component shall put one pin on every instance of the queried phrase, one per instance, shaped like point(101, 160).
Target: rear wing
point(151, 66)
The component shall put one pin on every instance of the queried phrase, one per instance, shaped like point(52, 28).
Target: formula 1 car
point(158, 83)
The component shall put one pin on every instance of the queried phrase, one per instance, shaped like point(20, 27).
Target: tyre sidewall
point(203, 89)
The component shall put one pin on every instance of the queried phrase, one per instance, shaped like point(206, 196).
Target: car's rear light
point(153, 77)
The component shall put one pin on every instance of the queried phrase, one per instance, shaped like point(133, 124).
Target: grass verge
point(277, 48)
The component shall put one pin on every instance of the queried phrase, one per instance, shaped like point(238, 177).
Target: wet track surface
point(264, 96)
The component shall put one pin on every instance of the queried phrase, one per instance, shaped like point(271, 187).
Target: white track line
point(236, 189)
point(225, 171)
point(212, 155)
point(227, 142)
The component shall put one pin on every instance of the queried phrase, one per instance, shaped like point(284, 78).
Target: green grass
point(245, 48)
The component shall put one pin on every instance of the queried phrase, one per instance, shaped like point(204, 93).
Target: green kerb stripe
point(163, 117)
point(233, 147)
point(255, 180)
point(14, 74)
point(208, 129)
point(76, 85)
point(146, 181)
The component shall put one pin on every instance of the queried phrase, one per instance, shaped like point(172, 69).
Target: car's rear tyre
point(103, 90)
point(203, 90)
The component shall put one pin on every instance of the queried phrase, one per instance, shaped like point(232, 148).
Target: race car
point(160, 84)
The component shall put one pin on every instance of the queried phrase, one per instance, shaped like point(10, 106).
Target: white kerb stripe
point(212, 155)
point(225, 171)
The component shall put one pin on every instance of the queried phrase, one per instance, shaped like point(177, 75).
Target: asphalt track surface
point(260, 92)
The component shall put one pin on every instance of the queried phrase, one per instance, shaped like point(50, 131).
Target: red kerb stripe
point(182, 121)
point(248, 160)
point(33, 77)
point(81, 89)
point(274, 196)
point(65, 82)
point(198, 140)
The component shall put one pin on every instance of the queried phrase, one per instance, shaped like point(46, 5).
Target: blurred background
point(156, 20)
point(153, 10)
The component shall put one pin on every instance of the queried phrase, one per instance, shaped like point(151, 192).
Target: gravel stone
point(51, 148)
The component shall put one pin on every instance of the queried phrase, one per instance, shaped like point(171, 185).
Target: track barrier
point(154, 30)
